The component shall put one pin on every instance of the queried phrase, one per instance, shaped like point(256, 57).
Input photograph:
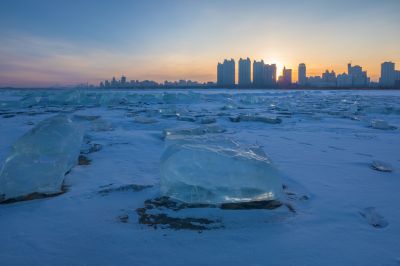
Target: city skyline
point(63, 42)
point(258, 74)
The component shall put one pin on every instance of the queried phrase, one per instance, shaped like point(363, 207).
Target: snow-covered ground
point(343, 211)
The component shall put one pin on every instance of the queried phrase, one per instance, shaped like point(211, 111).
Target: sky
point(65, 42)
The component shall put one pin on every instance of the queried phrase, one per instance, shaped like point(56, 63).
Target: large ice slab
point(202, 170)
point(40, 158)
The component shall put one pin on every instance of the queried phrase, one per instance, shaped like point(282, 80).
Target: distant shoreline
point(294, 88)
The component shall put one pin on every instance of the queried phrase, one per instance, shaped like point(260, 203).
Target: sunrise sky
point(48, 42)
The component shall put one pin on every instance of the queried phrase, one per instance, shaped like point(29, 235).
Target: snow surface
point(324, 146)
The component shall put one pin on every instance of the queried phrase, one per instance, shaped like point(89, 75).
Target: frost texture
point(206, 171)
point(40, 159)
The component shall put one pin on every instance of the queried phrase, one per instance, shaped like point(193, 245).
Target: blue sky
point(65, 42)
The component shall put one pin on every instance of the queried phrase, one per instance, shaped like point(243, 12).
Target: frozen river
point(337, 209)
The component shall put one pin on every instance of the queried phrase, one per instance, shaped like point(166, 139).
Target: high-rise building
point(358, 76)
point(226, 73)
point(270, 75)
point(302, 75)
point(258, 73)
point(220, 74)
point(388, 74)
point(329, 78)
point(286, 78)
point(344, 80)
point(264, 74)
point(123, 80)
point(244, 72)
point(114, 82)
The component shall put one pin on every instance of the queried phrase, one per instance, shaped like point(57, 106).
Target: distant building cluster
point(123, 83)
point(355, 78)
point(265, 75)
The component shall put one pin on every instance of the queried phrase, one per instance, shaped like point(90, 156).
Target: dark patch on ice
point(123, 218)
point(305, 143)
point(131, 187)
point(363, 154)
point(108, 185)
point(154, 212)
point(83, 160)
point(91, 148)
point(176, 223)
point(381, 166)
point(337, 148)
point(33, 196)
point(87, 117)
point(256, 118)
point(186, 118)
point(168, 203)
point(374, 218)
point(251, 205)
point(163, 220)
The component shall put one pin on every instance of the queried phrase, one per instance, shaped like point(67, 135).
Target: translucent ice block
point(40, 158)
point(217, 171)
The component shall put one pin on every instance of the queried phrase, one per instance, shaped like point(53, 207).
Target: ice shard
point(40, 159)
point(202, 170)
point(193, 131)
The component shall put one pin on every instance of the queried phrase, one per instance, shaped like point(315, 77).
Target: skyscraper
point(258, 73)
point(244, 72)
point(114, 82)
point(270, 75)
point(388, 74)
point(286, 78)
point(226, 73)
point(220, 74)
point(302, 74)
point(264, 74)
point(123, 80)
point(358, 76)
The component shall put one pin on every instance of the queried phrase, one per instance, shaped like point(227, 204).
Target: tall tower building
point(264, 74)
point(388, 74)
point(269, 75)
point(258, 73)
point(286, 78)
point(244, 72)
point(226, 73)
point(302, 75)
point(123, 80)
point(358, 76)
point(220, 74)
